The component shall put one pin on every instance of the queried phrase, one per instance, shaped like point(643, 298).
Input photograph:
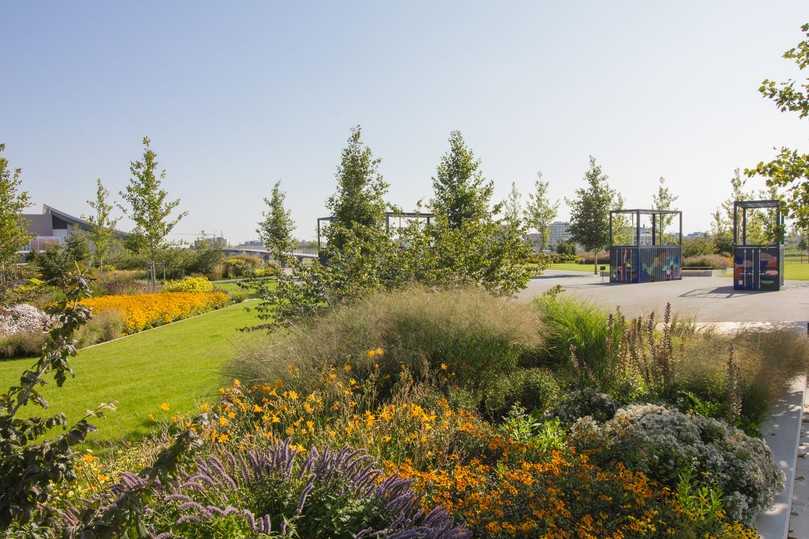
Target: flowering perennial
point(148, 310)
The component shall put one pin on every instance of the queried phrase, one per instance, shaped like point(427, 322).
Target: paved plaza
point(706, 299)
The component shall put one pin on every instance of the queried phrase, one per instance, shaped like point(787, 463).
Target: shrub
point(23, 318)
point(697, 246)
point(149, 310)
point(22, 344)
point(533, 389)
point(234, 267)
point(120, 282)
point(468, 334)
point(603, 258)
point(664, 444)
point(188, 284)
point(103, 326)
point(276, 492)
point(707, 261)
point(585, 402)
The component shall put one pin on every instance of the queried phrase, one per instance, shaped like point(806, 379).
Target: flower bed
point(148, 310)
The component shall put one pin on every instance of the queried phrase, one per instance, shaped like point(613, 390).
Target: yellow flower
point(444, 366)
point(164, 406)
point(308, 408)
point(291, 395)
point(204, 408)
point(257, 409)
point(347, 367)
point(88, 458)
point(223, 421)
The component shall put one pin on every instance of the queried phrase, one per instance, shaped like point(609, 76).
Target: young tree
point(540, 212)
point(275, 228)
point(469, 244)
point(590, 211)
point(790, 168)
point(512, 207)
point(148, 207)
point(461, 192)
point(103, 225)
point(13, 231)
point(358, 206)
point(664, 199)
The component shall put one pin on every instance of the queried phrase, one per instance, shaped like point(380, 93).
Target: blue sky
point(237, 95)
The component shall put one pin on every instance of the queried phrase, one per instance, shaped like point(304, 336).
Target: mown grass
point(234, 288)
point(179, 364)
point(573, 266)
point(795, 271)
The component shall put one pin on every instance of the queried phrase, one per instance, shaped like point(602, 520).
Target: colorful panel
point(645, 264)
point(758, 268)
point(660, 264)
point(623, 268)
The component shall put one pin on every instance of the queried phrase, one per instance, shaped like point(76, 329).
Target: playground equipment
point(642, 252)
point(758, 266)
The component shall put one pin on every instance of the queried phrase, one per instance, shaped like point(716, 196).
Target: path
point(707, 299)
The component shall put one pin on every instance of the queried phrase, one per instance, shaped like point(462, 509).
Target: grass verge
point(179, 364)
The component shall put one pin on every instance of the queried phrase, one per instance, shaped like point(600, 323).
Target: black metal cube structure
point(646, 254)
point(758, 266)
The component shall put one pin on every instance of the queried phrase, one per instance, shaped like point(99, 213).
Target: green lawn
point(796, 271)
point(573, 266)
point(232, 287)
point(179, 364)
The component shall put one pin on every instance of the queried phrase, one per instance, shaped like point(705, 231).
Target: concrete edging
point(782, 431)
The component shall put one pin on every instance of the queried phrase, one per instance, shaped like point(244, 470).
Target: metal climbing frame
point(758, 265)
point(642, 253)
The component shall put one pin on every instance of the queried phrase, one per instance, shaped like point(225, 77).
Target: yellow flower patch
point(148, 310)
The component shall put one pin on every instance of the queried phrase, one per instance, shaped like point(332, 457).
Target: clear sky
point(235, 95)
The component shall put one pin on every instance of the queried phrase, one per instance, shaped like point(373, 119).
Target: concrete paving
point(706, 299)
point(799, 511)
point(782, 430)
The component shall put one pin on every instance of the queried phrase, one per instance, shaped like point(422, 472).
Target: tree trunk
point(595, 262)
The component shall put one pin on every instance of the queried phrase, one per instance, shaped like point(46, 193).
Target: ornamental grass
point(143, 311)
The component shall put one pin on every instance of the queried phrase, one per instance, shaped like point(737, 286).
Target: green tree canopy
point(103, 224)
point(789, 170)
point(590, 209)
point(460, 191)
point(148, 206)
point(358, 205)
point(540, 211)
point(13, 231)
point(275, 228)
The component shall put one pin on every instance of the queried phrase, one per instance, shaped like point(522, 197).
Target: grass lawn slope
point(178, 364)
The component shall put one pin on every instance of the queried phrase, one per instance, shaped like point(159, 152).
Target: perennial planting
point(148, 310)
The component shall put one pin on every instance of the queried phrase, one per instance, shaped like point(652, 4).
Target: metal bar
point(744, 226)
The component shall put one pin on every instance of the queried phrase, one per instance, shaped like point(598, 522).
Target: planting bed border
point(782, 432)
